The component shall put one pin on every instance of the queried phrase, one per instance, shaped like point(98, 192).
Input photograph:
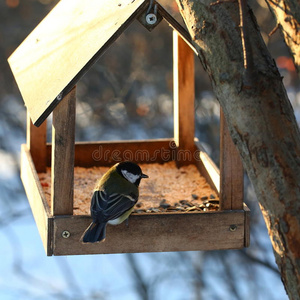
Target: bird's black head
point(131, 171)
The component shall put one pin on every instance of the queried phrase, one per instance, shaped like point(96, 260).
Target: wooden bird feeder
point(47, 66)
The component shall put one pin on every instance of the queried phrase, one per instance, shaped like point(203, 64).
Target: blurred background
point(126, 95)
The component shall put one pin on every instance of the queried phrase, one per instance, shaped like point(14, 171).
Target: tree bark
point(287, 14)
point(260, 119)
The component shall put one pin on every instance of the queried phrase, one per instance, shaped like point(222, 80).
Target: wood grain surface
point(155, 233)
point(62, 159)
point(184, 96)
point(63, 46)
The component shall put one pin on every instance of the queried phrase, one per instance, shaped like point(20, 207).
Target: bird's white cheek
point(129, 176)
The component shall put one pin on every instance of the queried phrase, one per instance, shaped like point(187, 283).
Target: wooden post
point(36, 143)
point(231, 171)
point(184, 95)
point(62, 161)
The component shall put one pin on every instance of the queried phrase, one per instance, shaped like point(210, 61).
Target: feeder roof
point(65, 44)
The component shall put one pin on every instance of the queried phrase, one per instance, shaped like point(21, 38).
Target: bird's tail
point(94, 233)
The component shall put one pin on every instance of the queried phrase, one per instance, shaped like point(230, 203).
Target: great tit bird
point(113, 200)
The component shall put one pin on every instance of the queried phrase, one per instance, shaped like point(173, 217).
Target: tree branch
point(261, 122)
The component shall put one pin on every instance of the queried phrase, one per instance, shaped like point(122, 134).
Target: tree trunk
point(261, 120)
point(287, 14)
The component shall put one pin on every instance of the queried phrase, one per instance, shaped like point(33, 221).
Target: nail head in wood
point(232, 227)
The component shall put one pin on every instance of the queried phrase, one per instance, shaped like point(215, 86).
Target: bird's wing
point(106, 207)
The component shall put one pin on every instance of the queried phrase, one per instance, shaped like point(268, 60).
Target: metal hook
point(150, 6)
point(151, 17)
point(155, 9)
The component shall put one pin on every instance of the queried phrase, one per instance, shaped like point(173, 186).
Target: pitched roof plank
point(63, 47)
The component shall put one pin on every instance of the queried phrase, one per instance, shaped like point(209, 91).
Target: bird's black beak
point(144, 176)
